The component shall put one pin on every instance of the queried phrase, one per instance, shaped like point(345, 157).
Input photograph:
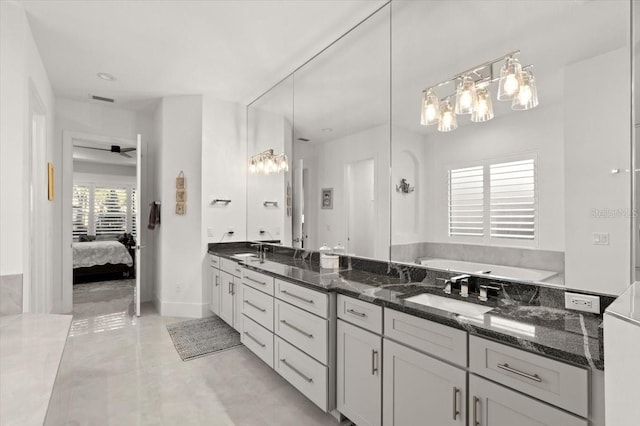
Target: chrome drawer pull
point(255, 281)
point(217, 280)
point(308, 379)
point(475, 412)
point(360, 314)
point(309, 335)
point(255, 306)
point(246, 333)
point(506, 367)
point(374, 362)
point(456, 391)
point(296, 296)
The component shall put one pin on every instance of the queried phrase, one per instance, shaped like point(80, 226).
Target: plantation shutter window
point(110, 210)
point(513, 200)
point(80, 210)
point(466, 201)
point(133, 212)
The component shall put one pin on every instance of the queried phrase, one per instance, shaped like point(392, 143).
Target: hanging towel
point(154, 215)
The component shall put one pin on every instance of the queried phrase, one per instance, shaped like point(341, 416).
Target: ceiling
point(231, 49)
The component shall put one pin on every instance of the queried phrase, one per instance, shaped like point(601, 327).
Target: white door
point(494, 405)
point(139, 245)
point(359, 381)
point(419, 389)
point(361, 226)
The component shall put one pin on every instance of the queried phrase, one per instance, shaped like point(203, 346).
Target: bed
point(101, 261)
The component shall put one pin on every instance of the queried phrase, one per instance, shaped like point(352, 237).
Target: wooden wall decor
point(181, 194)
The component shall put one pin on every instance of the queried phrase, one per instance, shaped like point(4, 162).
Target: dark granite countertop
point(527, 317)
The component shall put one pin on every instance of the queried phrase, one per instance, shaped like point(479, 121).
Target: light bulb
point(466, 95)
point(527, 97)
point(260, 166)
point(430, 108)
point(448, 120)
point(252, 166)
point(510, 79)
point(484, 109)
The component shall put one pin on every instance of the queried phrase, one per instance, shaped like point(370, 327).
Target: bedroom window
point(103, 209)
point(509, 209)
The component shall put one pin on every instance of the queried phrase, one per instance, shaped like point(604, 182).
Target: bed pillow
point(86, 238)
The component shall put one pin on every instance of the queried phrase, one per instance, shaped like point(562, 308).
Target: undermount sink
point(450, 305)
point(244, 255)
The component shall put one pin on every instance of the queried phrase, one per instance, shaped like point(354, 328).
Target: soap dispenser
point(328, 260)
point(339, 248)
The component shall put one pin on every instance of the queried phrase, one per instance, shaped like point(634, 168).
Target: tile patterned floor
point(118, 369)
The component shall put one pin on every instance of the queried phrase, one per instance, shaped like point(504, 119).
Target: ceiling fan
point(114, 148)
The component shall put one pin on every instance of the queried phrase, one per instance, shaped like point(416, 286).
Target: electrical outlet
point(582, 302)
point(601, 238)
point(210, 232)
point(278, 231)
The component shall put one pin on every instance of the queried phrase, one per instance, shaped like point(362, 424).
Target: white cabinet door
point(418, 389)
point(491, 404)
point(214, 304)
point(359, 378)
point(227, 307)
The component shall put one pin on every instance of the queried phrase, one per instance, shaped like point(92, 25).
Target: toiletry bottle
point(339, 248)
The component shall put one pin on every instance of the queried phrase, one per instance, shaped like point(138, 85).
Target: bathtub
point(491, 271)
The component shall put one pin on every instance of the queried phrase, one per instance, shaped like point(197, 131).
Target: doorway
point(101, 223)
point(361, 211)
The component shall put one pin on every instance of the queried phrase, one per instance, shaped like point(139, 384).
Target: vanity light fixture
point(267, 162)
point(472, 96)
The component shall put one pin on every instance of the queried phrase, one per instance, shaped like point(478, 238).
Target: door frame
point(67, 196)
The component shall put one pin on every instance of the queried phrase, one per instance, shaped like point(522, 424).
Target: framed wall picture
point(327, 198)
point(181, 209)
point(181, 196)
point(50, 179)
point(181, 182)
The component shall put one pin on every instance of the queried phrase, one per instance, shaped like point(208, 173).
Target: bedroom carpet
point(102, 298)
point(195, 338)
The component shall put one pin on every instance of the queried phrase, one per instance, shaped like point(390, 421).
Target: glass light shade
point(283, 165)
point(510, 80)
point(448, 120)
point(252, 166)
point(527, 97)
point(484, 108)
point(466, 96)
point(430, 108)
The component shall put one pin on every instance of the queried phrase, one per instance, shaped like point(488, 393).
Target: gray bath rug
point(195, 338)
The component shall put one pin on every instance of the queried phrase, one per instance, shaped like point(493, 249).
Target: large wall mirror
point(515, 190)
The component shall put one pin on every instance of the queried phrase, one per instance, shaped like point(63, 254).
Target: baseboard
point(181, 309)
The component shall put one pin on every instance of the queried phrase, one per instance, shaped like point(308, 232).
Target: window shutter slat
point(80, 210)
point(110, 210)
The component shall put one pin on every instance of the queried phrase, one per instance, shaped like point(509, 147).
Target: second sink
point(450, 305)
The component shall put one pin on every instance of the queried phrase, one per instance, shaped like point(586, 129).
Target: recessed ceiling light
point(327, 130)
point(106, 76)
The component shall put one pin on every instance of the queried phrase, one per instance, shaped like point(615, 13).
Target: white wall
point(20, 68)
point(331, 160)
point(536, 133)
point(111, 121)
point(103, 169)
point(268, 131)
point(597, 140)
point(180, 258)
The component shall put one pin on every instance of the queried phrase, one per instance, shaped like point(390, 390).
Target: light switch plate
point(601, 238)
point(210, 232)
point(582, 302)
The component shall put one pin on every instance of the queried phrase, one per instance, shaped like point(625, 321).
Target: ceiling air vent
point(102, 99)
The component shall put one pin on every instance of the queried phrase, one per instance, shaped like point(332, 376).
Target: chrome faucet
point(464, 284)
point(447, 285)
point(484, 289)
point(260, 248)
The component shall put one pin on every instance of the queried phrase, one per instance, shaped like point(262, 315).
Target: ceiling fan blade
point(91, 147)
point(127, 149)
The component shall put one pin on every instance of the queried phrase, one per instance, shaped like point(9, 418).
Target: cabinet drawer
point(303, 372)
point(230, 267)
point(258, 339)
point(363, 314)
point(307, 332)
point(493, 405)
point(555, 382)
point(444, 342)
point(214, 261)
point(258, 281)
point(302, 297)
point(257, 306)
